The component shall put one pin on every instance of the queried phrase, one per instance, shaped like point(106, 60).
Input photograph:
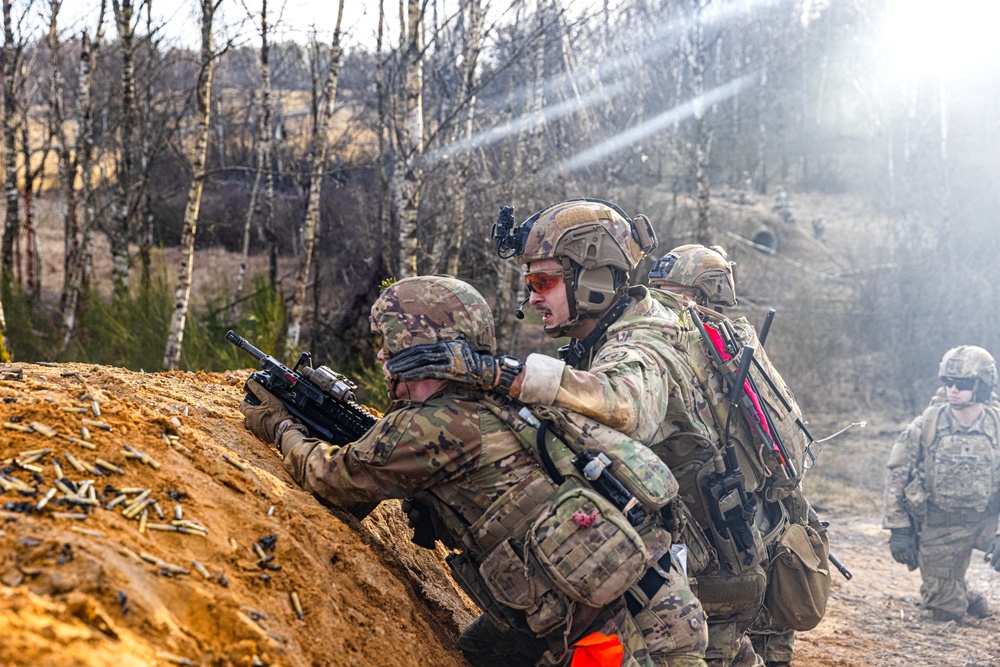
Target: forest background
point(163, 186)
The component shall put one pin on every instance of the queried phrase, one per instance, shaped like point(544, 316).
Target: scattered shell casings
point(297, 605)
point(192, 530)
point(76, 500)
point(75, 462)
point(133, 510)
point(48, 364)
point(97, 424)
point(164, 527)
point(201, 569)
point(46, 498)
point(9, 516)
point(32, 452)
point(5, 484)
point(84, 487)
point(178, 512)
point(67, 374)
point(237, 464)
point(232, 543)
point(143, 518)
point(13, 483)
point(43, 429)
point(86, 531)
point(159, 512)
point(57, 468)
point(175, 659)
point(91, 468)
point(95, 408)
point(30, 458)
point(110, 467)
point(131, 489)
point(18, 427)
point(85, 433)
point(73, 408)
point(185, 411)
point(270, 510)
point(29, 466)
point(253, 613)
point(260, 552)
point(59, 484)
point(117, 500)
point(177, 424)
point(143, 494)
point(79, 516)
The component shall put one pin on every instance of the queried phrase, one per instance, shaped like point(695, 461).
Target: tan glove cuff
point(286, 427)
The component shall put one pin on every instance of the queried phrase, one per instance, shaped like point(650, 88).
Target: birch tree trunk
point(319, 146)
point(408, 174)
point(120, 223)
point(182, 295)
point(145, 206)
point(11, 228)
point(387, 235)
point(448, 246)
point(85, 157)
point(33, 260)
point(702, 140)
point(67, 161)
point(263, 160)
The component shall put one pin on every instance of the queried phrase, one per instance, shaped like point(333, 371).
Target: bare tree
point(320, 140)
point(264, 170)
point(203, 94)
point(13, 56)
point(119, 233)
point(407, 173)
point(703, 137)
point(78, 244)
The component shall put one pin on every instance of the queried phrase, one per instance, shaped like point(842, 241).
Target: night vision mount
point(510, 240)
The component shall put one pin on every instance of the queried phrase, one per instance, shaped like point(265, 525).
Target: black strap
point(576, 350)
point(649, 584)
point(543, 453)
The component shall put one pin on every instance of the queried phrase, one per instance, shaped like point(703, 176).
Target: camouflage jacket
point(920, 475)
point(636, 382)
point(449, 443)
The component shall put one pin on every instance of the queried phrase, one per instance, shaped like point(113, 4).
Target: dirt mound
point(210, 575)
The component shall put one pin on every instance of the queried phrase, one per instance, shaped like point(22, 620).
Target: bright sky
point(956, 37)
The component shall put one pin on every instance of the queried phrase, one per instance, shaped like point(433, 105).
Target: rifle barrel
point(244, 345)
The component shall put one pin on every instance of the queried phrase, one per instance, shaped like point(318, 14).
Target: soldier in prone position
point(621, 367)
point(447, 445)
point(942, 491)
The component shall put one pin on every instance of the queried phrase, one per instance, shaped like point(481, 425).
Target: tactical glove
point(263, 420)
point(993, 554)
point(903, 545)
point(447, 360)
point(418, 517)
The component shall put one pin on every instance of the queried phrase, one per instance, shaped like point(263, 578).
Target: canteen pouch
point(799, 579)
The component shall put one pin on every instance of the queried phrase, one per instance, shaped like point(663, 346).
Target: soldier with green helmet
point(621, 367)
point(453, 449)
point(942, 491)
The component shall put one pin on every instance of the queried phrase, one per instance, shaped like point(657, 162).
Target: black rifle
point(319, 398)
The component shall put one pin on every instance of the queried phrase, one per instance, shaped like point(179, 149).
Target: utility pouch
point(915, 495)
point(512, 583)
point(586, 548)
point(700, 555)
point(799, 580)
point(734, 598)
point(465, 572)
point(731, 523)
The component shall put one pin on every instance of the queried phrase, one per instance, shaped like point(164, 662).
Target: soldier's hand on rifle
point(903, 545)
point(269, 420)
point(452, 360)
point(993, 554)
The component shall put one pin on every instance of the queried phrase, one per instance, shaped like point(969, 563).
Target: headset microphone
point(519, 314)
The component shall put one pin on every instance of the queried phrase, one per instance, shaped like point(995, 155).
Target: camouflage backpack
point(767, 471)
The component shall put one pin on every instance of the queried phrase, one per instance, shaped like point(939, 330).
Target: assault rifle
point(321, 399)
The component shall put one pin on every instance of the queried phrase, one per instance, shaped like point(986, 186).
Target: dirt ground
point(97, 590)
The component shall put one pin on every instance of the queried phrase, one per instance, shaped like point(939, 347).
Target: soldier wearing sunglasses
point(942, 494)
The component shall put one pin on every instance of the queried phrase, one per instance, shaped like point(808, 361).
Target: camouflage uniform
point(453, 453)
point(948, 492)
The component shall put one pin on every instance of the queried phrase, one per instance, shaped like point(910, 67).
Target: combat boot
point(978, 606)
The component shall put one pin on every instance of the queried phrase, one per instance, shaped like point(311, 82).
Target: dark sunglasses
point(962, 384)
point(542, 281)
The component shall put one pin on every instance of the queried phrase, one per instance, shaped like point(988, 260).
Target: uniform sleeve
point(902, 469)
point(404, 453)
point(627, 380)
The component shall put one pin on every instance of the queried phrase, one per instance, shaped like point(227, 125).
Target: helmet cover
point(704, 269)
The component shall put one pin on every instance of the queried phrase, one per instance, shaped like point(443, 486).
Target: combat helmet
point(969, 361)
point(431, 309)
point(705, 270)
point(597, 244)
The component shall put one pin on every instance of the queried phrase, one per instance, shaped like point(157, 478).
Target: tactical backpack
point(773, 473)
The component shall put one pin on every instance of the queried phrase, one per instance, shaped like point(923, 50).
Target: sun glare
point(942, 36)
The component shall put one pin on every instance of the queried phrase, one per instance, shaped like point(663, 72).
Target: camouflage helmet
point(430, 309)
point(597, 244)
point(705, 270)
point(969, 361)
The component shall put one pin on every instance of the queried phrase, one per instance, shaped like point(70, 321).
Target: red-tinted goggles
point(962, 384)
point(543, 281)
